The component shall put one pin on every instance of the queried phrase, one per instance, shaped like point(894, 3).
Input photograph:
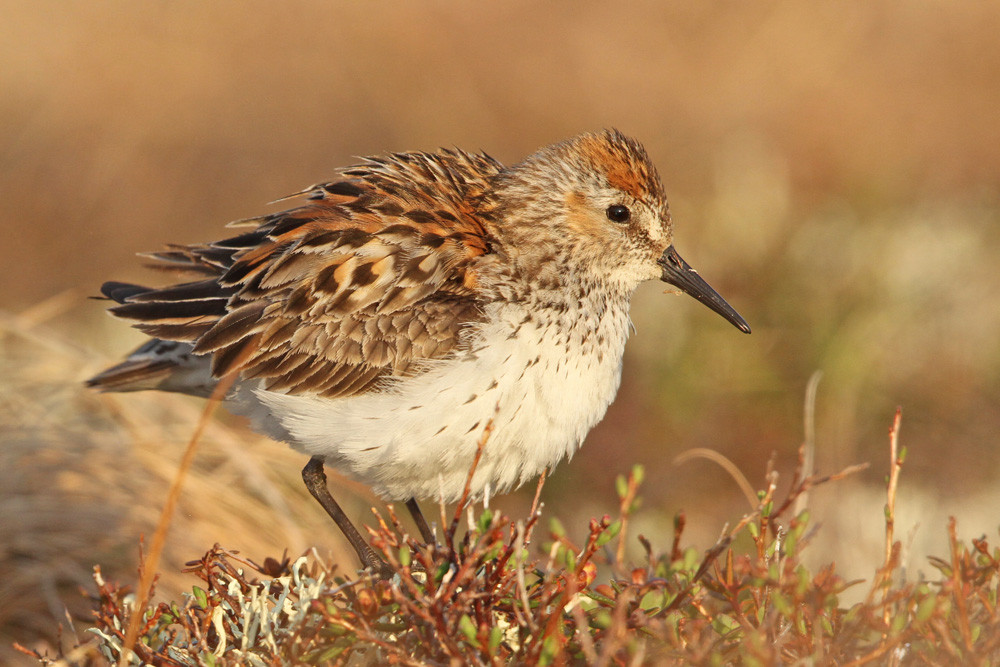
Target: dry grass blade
point(151, 563)
point(725, 464)
point(809, 435)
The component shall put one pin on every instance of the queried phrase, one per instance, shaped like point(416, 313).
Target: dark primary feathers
point(375, 273)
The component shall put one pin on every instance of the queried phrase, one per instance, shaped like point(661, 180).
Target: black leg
point(418, 517)
point(315, 479)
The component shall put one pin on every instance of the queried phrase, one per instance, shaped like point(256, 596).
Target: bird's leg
point(418, 517)
point(315, 479)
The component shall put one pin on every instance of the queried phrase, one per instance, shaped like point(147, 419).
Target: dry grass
point(83, 475)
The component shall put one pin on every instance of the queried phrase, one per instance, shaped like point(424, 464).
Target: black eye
point(618, 213)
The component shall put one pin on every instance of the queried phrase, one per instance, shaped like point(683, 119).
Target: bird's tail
point(164, 365)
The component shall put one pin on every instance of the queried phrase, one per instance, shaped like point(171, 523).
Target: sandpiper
point(383, 322)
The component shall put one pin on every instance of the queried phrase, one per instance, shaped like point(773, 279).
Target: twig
point(487, 430)
point(958, 592)
point(895, 464)
point(522, 588)
point(627, 503)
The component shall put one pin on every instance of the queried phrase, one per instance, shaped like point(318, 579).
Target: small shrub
point(492, 593)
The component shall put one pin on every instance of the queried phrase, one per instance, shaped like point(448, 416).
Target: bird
point(380, 323)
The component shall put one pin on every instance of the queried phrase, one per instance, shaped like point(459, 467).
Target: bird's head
point(595, 205)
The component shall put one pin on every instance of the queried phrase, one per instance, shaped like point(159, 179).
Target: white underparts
point(543, 384)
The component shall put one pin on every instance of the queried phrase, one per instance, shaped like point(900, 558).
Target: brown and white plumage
point(375, 272)
point(383, 322)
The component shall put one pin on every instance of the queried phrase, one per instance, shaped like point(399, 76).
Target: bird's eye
point(618, 213)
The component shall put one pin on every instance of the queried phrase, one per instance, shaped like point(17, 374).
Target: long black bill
point(679, 273)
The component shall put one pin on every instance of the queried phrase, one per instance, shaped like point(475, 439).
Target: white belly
point(544, 392)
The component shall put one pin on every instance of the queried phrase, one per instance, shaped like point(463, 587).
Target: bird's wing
point(374, 274)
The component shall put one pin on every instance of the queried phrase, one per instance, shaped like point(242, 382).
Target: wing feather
point(374, 274)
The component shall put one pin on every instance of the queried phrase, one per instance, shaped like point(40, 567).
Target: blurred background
point(832, 170)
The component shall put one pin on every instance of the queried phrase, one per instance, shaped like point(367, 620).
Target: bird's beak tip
point(679, 273)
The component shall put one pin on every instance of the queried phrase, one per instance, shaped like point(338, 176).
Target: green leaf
point(468, 628)
point(602, 619)
point(781, 603)
point(692, 559)
point(201, 596)
point(496, 636)
point(550, 648)
point(621, 486)
point(803, 583)
point(327, 655)
point(652, 600)
point(638, 473)
point(724, 624)
point(598, 598)
point(610, 533)
point(492, 554)
point(791, 541)
point(926, 607)
point(898, 623)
